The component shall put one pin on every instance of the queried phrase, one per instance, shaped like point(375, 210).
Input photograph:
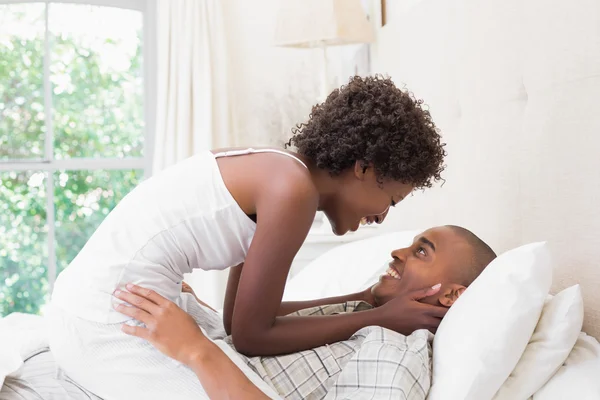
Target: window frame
point(48, 164)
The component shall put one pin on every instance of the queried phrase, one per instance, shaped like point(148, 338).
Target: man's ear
point(450, 293)
point(360, 170)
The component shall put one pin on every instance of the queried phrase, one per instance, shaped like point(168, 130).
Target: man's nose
point(399, 254)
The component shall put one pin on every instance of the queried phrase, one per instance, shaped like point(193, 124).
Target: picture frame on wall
point(376, 11)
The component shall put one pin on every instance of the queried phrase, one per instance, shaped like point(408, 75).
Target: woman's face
point(363, 197)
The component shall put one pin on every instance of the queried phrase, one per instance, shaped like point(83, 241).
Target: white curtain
point(192, 98)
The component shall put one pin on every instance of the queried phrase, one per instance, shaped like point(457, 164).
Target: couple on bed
point(118, 307)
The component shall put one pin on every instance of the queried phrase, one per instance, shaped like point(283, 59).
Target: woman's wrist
point(367, 296)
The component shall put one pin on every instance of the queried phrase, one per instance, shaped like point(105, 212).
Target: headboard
point(514, 86)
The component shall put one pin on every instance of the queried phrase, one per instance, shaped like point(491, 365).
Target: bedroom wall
point(408, 58)
point(273, 88)
point(514, 87)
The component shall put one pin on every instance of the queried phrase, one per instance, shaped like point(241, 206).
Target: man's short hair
point(481, 257)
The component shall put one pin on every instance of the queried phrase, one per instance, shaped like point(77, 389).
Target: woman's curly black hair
point(372, 121)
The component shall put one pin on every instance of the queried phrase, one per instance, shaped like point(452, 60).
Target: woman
point(362, 151)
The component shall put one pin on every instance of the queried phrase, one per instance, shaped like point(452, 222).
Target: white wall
point(514, 86)
point(423, 209)
point(396, 8)
point(273, 87)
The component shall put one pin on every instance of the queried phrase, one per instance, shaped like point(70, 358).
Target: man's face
point(438, 255)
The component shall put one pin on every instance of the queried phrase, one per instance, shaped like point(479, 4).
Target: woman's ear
point(363, 170)
point(360, 169)
point(450, 293)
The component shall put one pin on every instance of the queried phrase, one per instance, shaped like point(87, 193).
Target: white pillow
point(549, 346)
point(348, 268)
point(578, 377)
point(480, 340)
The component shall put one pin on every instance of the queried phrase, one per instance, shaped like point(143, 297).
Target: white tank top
point(181, 219)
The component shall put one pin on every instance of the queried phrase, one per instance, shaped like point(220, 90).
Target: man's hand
point(405, 314)
point(168, 328)
point(176, 334)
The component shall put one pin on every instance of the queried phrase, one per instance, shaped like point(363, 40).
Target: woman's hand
point(168, 328)
point(405, 314)
point(185, 288)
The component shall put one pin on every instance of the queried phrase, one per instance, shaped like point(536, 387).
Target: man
point(445, 259)
point(450, 256)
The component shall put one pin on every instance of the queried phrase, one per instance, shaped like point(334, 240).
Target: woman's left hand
point(168, 328)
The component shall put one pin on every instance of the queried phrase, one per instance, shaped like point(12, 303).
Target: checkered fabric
point(387, 365)
point(375, 363)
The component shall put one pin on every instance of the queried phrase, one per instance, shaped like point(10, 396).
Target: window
point(75, 131)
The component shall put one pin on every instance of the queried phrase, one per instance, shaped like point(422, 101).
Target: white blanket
point(21, 335)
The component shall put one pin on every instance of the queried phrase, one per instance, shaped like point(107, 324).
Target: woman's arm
point(285, 210)
point(172, 331)
point(230, 295)
point(287, 307)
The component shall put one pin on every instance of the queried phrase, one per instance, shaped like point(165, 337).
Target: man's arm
point(220, 377)
point(175, 333)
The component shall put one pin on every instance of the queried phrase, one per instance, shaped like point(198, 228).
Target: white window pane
point(96, 75)
point(22, 127)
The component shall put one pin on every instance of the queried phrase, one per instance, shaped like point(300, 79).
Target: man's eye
point(422, 251)
point(393, 202)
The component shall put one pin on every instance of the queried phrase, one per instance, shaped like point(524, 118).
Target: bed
point(514, 86)
point(529, 345)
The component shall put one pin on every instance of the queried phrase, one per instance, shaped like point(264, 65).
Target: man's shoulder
point(334, 309)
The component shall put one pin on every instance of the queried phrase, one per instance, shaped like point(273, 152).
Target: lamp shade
point(320, 23)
